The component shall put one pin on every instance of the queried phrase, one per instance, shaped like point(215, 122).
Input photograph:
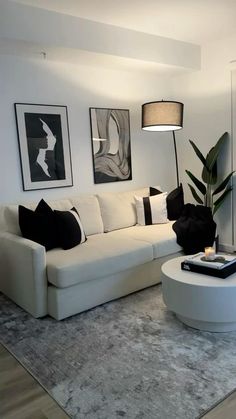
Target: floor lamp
point(163, 115)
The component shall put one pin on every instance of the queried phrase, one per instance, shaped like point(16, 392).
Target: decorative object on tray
point(110, 133)
point(210, 253)
point(213, 259)
point(210, 177)
point(221, 266)
point(43, 136)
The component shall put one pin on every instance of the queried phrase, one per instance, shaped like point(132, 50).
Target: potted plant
point(209, 187)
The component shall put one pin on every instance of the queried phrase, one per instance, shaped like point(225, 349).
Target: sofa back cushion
point(89, 212)
point(118, 209)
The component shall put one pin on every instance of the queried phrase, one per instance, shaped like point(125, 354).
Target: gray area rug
point(129, 358)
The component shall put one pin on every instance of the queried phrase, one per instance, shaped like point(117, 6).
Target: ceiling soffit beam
point(30, 24)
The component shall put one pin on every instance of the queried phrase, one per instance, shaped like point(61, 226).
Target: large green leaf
point(214, 152)
point(195, 195)
point(221, 199)
point(223, 184)
point(210, 176)
point(206, 175)
point(198, 152)
point(214, 174)
point(197, 182)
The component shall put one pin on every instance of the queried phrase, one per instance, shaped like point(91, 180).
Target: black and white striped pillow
point(70, 229)
point(151, 209)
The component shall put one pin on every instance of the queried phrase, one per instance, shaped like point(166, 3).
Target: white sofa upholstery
point(119, 257)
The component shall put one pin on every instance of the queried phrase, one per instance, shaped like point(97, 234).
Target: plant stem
point(209, 196)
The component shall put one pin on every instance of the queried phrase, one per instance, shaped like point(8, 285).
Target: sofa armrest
point(23, 273)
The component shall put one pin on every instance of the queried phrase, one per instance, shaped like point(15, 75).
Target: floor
point(225, 410)
point(22, 397)
point(20, 394)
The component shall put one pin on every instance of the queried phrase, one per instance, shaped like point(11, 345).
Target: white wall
point(80, 86)
point(207, 98)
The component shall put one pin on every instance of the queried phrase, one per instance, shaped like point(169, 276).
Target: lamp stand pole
point(176, 159)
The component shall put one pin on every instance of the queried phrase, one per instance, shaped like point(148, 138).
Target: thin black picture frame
point(44, 146)
point(110, 166)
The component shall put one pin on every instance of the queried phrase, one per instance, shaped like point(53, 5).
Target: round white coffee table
point(200, 301)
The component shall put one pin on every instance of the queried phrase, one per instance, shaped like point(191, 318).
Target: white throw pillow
point(151, 209)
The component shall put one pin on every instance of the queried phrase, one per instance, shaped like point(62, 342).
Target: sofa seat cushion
point(100, 256)
point(161, 236)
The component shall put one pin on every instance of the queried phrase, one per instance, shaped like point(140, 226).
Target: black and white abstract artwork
point(110, 132)
point(43, 136)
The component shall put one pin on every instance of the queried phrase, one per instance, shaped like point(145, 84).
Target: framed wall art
point(43, 136)
point(111, 148)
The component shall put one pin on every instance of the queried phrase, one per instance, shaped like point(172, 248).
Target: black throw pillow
point(44, 208)
point(70, 229)
point(39, 225)
point(174, 201)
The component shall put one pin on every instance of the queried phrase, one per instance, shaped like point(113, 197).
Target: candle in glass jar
point(210, 253)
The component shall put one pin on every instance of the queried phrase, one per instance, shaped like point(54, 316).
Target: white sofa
point(119, 257)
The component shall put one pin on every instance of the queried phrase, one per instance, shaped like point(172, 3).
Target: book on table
point(222, 266)
point(219, 262)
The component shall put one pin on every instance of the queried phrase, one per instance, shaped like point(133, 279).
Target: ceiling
point(196, 21)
